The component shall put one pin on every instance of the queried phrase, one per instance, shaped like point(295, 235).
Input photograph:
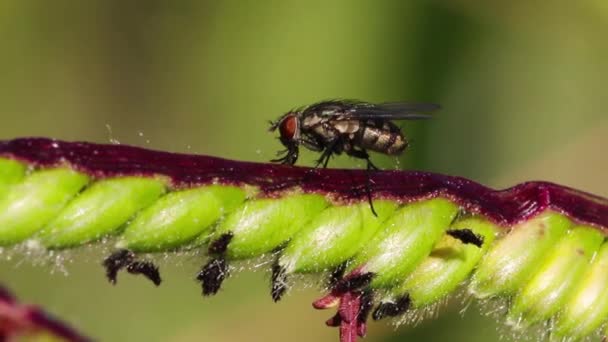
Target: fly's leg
point(368, 190)
point(311, 144)
point(362, 154)
point(290, 157)
point(327, 153)
point(331, 146)
point(324, 159)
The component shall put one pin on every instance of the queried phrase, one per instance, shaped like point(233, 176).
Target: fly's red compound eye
point(289, 127)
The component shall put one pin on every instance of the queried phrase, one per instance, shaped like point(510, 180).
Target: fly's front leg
point(311, 144)
point(329, 150)
point(290, 157)
point(332, 140)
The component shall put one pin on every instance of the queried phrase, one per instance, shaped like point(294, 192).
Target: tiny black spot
point(124, 258)
point(467, 236)
point(336, 275)
point(220, 245)
point(212, 275)
point(399, 307)
point(147, 269)
point(117, 261)
point(279, 282)
point(367, 302)
point(354, 283)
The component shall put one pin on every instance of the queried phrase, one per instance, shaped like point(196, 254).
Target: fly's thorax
point(310, 121)
point(346, 126)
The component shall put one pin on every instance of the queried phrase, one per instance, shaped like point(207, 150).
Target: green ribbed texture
point(100, 210)
point(404, 240)
point(516, 257)
point(334, 236)
point(29, 205)
point(11, 173)
point(448, 265)
point(546, 267)
point(180, 217)
point(587, 308)
point(260, 226)
point(548, 290)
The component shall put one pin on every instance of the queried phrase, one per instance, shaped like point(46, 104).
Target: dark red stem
point(18, 319)
point(505, 207)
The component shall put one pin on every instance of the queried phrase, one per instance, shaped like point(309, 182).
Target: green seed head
point(552, 284)
point(179, 218)
point(11, 172)
point(260, 226)
point(100, 210)
point(449, 264)
point(516, 257)
point(29, 205)
point(334, 236)
point(587, 308)
point(404, 240)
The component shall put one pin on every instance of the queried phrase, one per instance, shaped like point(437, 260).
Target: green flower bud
point(448, 265)
point(260, 226)
point(11, 172)
point(550, 287)
point(516, 257)
point(100, 210)
point(179, 217)
point(31, 204)
point(334, 236)
point(587, 307)
point(404, 240)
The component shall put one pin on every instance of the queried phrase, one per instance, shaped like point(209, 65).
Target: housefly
point(346, 126)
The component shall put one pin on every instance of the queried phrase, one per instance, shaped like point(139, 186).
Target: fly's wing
point(348, 110)
point(393, 111)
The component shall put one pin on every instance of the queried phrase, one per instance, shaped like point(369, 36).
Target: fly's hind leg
point(362, 154)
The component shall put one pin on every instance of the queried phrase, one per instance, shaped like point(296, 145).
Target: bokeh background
point(522, 85)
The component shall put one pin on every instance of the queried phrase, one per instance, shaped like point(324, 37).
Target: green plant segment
point(446, 267)
point(411, 255)
point(342, 230)
point(27, 206)
point(179, 217)
point(259, 226)
point(100, 210)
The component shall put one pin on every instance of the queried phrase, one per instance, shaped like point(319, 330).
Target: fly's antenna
point(273, 125)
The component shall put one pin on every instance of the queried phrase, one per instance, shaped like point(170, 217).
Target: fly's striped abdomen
point(386, 139)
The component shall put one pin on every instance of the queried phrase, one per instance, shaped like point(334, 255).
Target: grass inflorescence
point(538, 244)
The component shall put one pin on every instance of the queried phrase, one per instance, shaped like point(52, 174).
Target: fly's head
point(289, 130)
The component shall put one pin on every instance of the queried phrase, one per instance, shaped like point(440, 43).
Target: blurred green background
point(522, 85)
